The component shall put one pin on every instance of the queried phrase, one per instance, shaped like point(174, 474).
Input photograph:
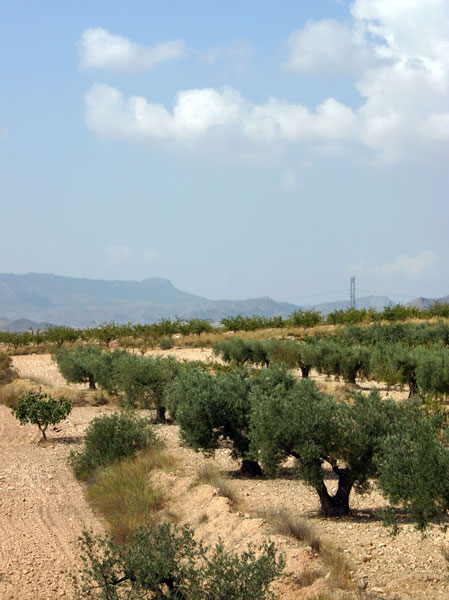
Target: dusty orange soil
point(42, 512)
point(42, 508)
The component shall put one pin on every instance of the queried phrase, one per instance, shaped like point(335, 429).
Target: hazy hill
point(82, 302)
point(427, 302)
point(20, 325)
point(47, 298)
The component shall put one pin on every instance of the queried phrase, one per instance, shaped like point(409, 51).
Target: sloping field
point(43, 510)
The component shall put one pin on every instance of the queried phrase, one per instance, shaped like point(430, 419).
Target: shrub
point(110, 438)
point(41, 410)
point(167, 562)
point(166, 343)
point(7, 373)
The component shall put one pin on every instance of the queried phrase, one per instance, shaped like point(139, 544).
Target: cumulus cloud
point(100, 49)
point(329, 46)
point(421, 266)
point(198, 112)
point(399, 53)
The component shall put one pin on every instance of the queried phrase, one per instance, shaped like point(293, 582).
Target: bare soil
point(43, 511)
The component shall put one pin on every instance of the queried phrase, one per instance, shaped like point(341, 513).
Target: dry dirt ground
point(43, 511)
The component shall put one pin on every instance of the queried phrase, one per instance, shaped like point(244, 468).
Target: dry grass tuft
point(209, 474)
point(296, 527)
point(301, 530)
point(125, 496)
point(338, 564)
point(10, 393)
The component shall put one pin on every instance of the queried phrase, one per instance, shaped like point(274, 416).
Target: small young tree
point(41, 410)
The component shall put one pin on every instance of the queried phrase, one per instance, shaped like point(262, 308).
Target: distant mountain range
point(46, 298)
point(423, 303)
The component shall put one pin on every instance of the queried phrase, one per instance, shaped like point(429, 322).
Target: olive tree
point(144, 381)
point(78, 365)
point(213, 408)
point(399, 446)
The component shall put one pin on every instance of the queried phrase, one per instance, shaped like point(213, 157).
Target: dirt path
point(42, 509)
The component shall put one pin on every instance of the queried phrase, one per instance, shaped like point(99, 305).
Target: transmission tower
point(352, 296)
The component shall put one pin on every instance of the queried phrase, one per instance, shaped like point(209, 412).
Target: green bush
point(166, 343)
point(167, 562)
point(7, 373)
point(41, 410)
point(110, 438)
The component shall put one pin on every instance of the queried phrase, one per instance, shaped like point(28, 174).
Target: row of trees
point(267, 415)
point(141, 381)
point(151, 334)
point(271, 417)
point(424, 369)
point(106, 333)
point(311, 318)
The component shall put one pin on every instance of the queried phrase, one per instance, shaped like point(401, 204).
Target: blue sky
point(237, 149)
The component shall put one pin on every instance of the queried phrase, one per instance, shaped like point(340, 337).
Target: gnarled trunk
point(92, 385)
point(305, 371)
point(412, 386)
point(337, 505)
point(250, 468)
point(160, 415)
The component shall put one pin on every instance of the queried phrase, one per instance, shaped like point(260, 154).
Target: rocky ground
point(43, 511)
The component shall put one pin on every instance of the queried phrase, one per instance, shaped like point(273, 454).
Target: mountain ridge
point(82, 302)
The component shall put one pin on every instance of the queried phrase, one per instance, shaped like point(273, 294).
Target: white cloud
point(329, 46)
point(100, 49)
point(400, 53)
point(423, 265)
point(405, 267)
point(200, 111)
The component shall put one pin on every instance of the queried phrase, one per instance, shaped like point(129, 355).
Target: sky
point(239, 149)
